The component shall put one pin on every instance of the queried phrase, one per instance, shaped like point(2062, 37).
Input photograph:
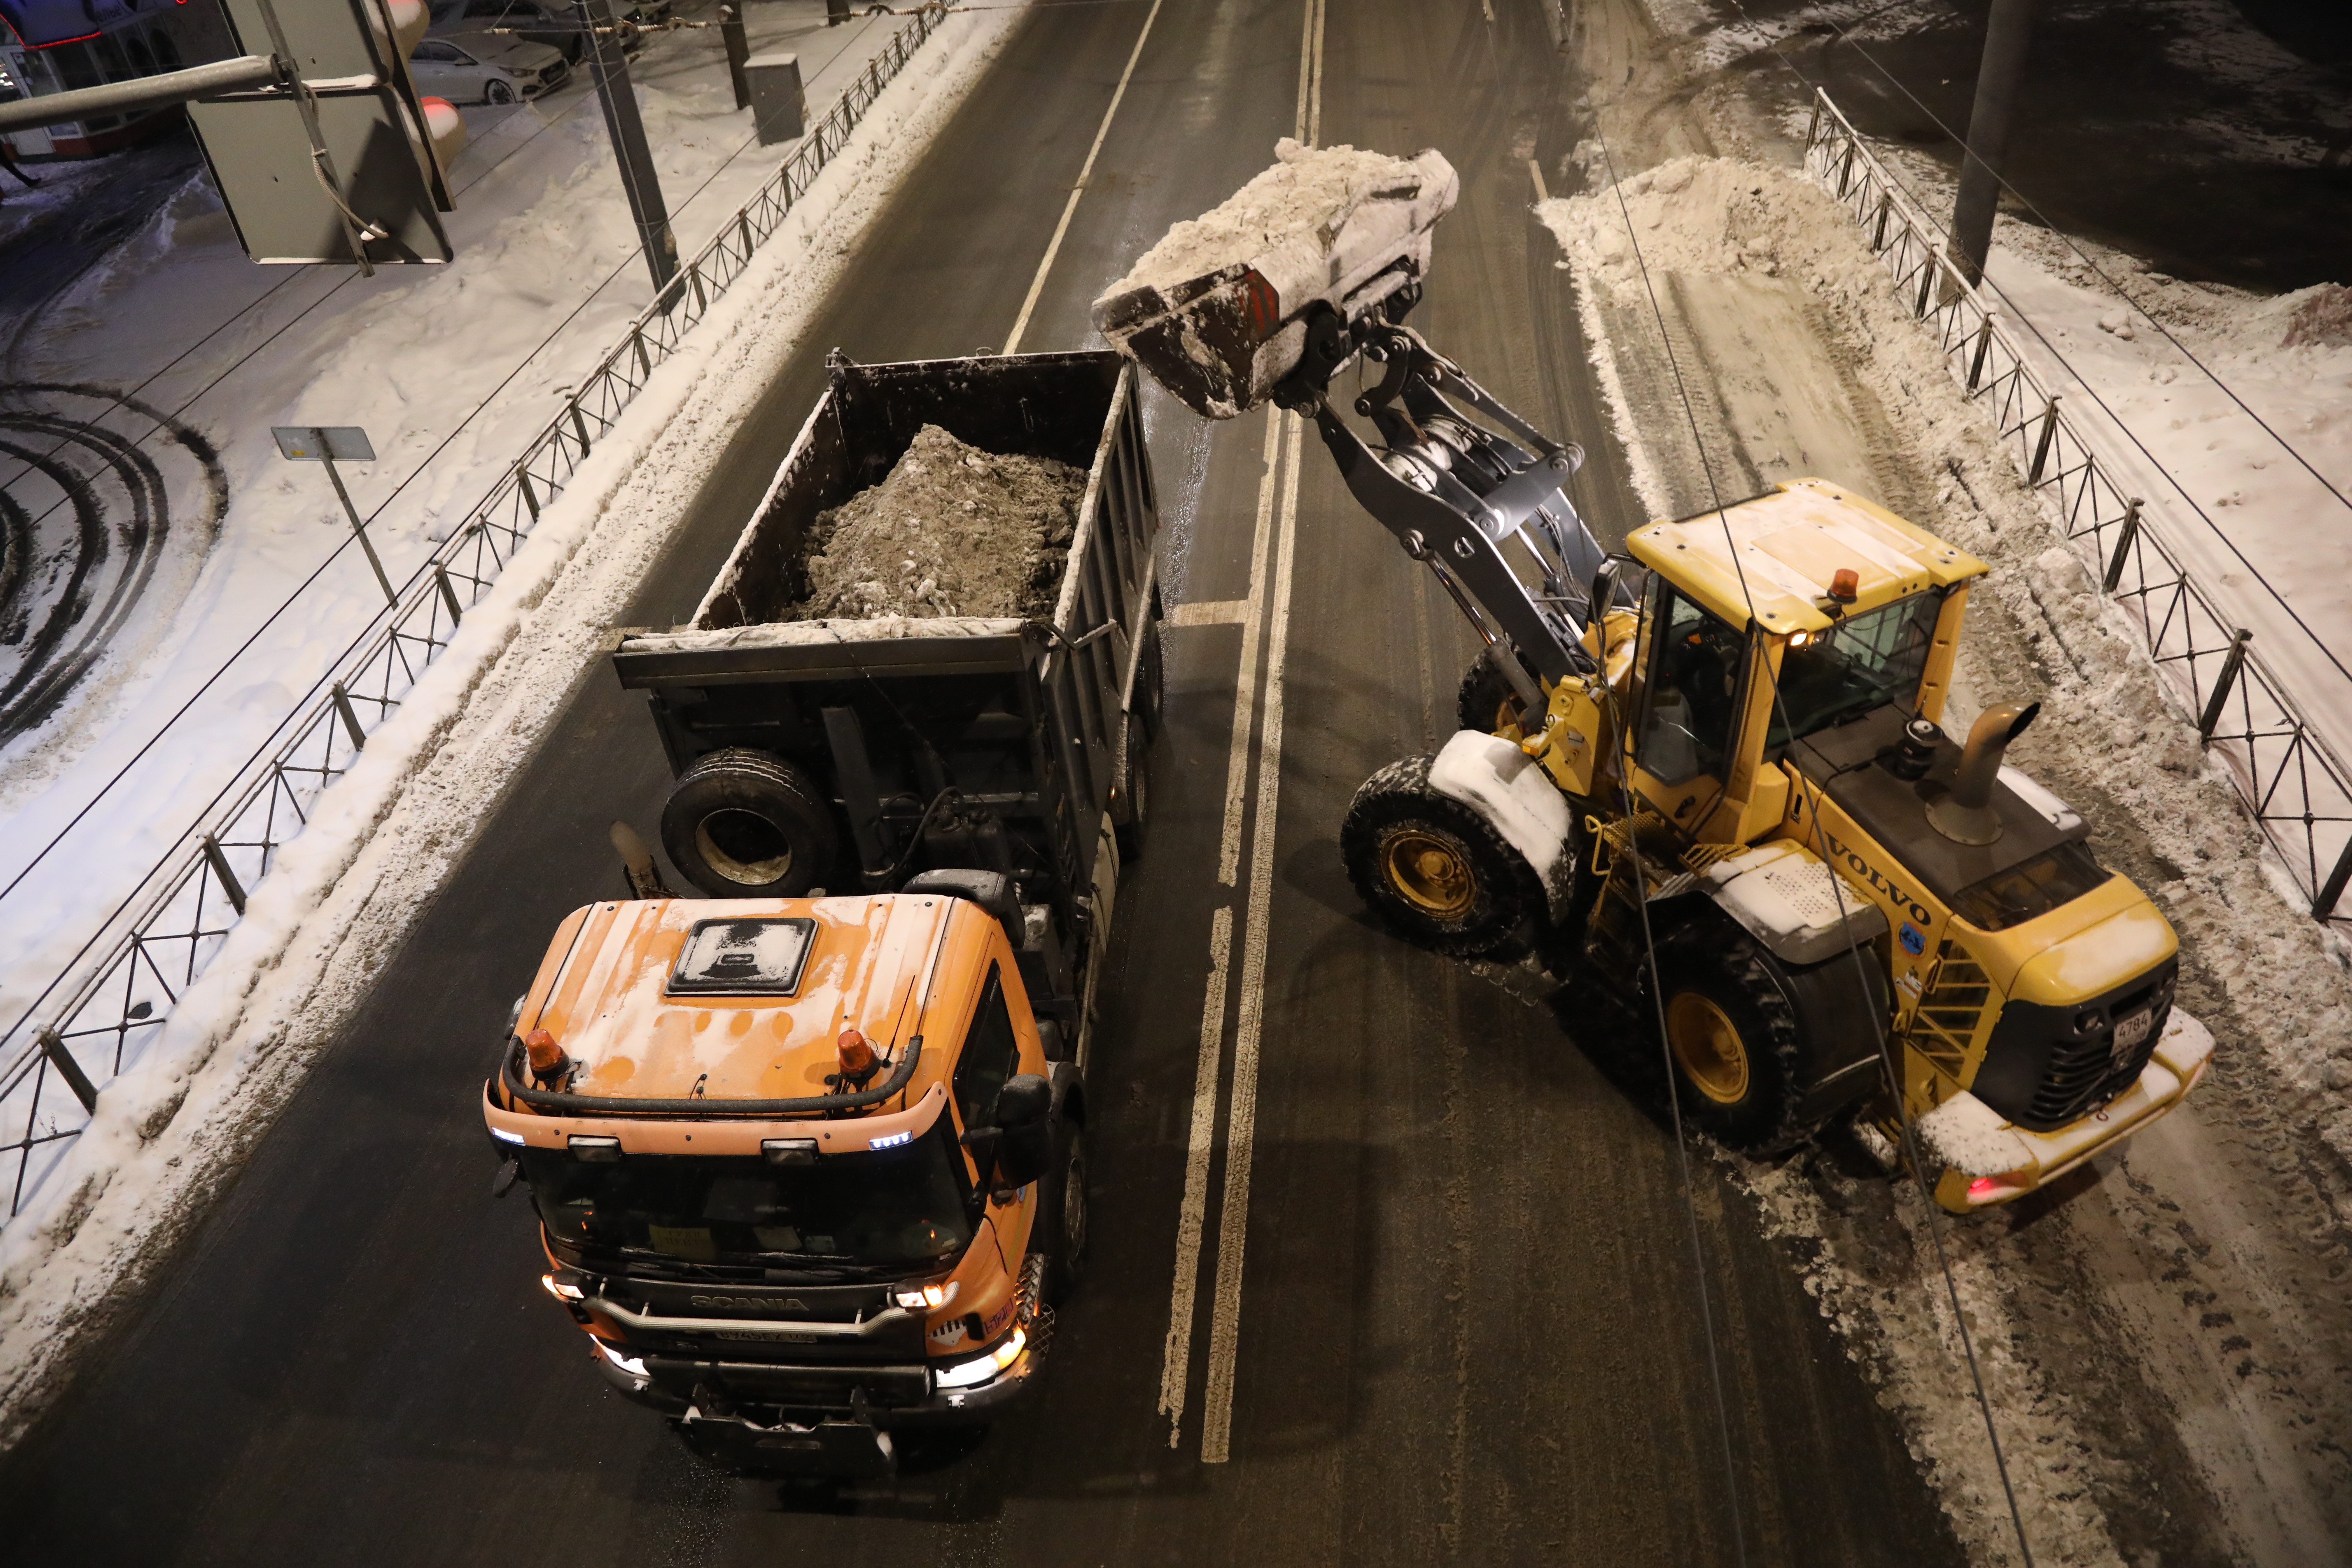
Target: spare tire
point(745, 824)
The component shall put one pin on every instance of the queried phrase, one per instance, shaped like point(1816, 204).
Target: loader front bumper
point(2174, 1068)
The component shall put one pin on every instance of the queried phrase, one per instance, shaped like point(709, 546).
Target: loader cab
point(1752, 641)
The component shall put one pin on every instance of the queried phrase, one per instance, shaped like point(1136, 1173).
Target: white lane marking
point(1208, 612)
point(1037, 284)
point(1241, 1122)
point(1535, 173)
point(1192, 1220)
point(1229, 848)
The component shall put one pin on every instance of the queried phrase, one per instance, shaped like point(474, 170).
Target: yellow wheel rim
point(1708, 1047)
point(1430, 872)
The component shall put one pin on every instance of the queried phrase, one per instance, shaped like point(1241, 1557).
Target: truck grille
point(2047, 1066)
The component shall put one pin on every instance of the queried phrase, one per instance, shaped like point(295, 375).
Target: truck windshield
point(1863, 662)
point(894, 1205)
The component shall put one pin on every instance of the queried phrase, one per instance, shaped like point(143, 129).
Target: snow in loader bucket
point(1218, 310)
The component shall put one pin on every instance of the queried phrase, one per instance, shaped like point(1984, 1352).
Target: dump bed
point(1027, 726)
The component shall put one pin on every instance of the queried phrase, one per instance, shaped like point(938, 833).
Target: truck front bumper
point(822, 1431)
point(2179, 1061)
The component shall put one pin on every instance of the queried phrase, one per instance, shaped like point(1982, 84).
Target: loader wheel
point(1486, 702)
point(742, 824)
point(1434, 870)
point(1732, 1034)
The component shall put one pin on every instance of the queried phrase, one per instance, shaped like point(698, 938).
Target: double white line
point(1268, 623)
point(1265, 624)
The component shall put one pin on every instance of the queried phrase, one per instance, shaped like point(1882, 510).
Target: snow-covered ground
point(2165, 1338)
point(384, 837)
point(451, 369)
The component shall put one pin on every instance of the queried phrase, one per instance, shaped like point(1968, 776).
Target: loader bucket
point(1218, 310)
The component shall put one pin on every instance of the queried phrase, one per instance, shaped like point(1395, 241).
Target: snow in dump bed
point(1306, 188)
point(953, 531)
point(809, 634)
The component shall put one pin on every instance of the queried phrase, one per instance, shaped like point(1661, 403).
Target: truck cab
point(806, 1173)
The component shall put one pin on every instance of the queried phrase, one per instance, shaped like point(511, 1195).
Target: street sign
point(344, 167)
point(316, 443)
point(329, 444)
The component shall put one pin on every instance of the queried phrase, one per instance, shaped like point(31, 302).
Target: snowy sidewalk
point(451, 369)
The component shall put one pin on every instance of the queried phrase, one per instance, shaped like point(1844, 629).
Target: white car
point(484, 67)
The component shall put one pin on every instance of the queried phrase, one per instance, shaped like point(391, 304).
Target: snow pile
point(952, 530)
point(1308, 191)
point(2321, 318)
point(382, 841)
point(1702, 215)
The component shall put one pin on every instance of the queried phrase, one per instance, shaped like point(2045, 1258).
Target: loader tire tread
point(1719, 960)
point(1502, 915)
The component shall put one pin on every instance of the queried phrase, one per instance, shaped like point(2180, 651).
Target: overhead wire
point(2317, 640)
point(1886, 1061)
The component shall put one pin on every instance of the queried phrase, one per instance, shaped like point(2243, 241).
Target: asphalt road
point(1467, 1328)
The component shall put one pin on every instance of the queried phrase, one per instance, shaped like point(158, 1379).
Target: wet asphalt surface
point(1470, 1329)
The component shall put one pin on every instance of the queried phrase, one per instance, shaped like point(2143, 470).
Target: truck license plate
point(2130, 1032)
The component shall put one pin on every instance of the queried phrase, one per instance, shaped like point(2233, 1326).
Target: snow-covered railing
point(2298, 791)
point(92, 1020)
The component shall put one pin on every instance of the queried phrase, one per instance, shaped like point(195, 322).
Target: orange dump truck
point(810, 1167)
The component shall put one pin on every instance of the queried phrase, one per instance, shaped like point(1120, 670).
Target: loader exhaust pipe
point(1966, 815)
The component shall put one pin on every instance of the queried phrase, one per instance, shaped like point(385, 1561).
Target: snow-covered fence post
point(2041, 445)
point(2233, 663)
point(2125, 536)
point(231, 889)
point(53, 1047)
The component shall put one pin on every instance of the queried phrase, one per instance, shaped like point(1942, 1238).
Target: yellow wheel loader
point(1707, 776)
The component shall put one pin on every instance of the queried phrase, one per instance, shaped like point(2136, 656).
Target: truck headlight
point(981, 1368)
point(633, 1365)
point(562, 1290)
point(925, 1298)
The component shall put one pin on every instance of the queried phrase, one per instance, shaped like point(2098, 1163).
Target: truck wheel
point(743, 824)
point(1062, 1221)
point(1732, 1035)
point(1485, 702)
point(1434, 870)
point(1130, 834)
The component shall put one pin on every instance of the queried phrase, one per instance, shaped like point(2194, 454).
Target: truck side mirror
point(1024, 1152)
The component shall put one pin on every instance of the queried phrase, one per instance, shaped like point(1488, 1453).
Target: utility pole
point(2000, 77)
point(628, 132)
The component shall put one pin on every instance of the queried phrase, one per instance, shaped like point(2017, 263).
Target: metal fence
point(2290, 781)
point(94, 1018)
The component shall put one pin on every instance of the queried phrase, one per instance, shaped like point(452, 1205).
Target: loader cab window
point(1692, 707)
point(991, 1054)
point(1863, 662)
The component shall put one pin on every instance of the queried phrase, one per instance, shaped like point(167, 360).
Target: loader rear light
point(1995, 1189)
point(925, 1298)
